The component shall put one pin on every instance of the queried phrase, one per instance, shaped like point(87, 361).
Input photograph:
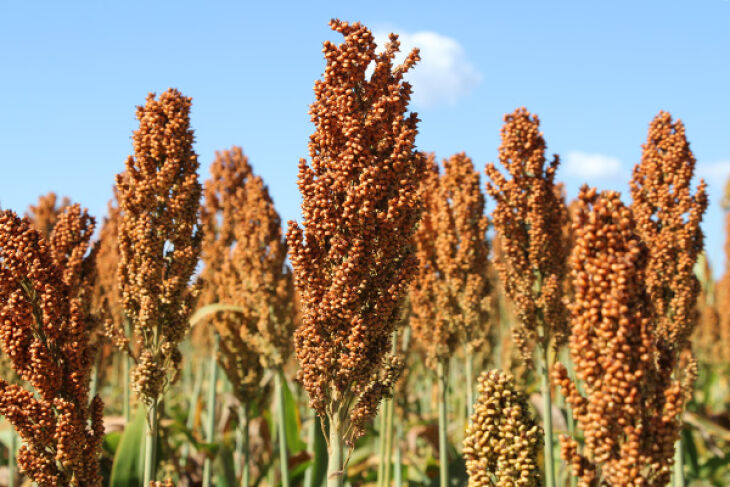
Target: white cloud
point(714, 172)
point(592, 166)
point(443, 75)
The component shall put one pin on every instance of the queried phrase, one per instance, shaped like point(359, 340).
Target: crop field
point(425, 321)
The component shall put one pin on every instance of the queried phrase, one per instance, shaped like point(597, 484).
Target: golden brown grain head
point(44, 215)
point(668, 217)
point(503, 440)
point(244, 255)
point(450, 295)
point(529, 219)
point(353, 255)
point(159, 237)
point(629, 409)
point(44, 333)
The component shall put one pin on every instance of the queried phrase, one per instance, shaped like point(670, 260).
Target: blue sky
point(595, 72)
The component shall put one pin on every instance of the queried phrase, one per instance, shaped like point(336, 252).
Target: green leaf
point(129, 456)
point(293, 424)
point(319, 465)
point(111, 442)
point(225, 473)
point(690, 451)
point(210, 309)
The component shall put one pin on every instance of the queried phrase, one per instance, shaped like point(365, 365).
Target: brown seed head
point(159, 237)
point(353, 256)
point(668, 218)
point(529, 220)
point(244, 254)
point(629, 412)
point(44, 215)
point(450, 295)
point(44, 332)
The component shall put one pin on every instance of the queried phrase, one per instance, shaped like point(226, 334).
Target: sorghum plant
point(432, 316)
point(354, 256)
point(223, 193)
point(245, 258)
point(159, 245)
point(629, 411)
point(450, 296)
point(529, 220)
point(668, 218)
point(44, 215)
point(45, 333)
point(503, 440)
point(529, 217)
point(452, 249)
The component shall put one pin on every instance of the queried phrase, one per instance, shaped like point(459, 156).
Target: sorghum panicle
point(44, 332)
point(503, 440)
point(432, 313)
point(159, 237)
point(245, 254)
point(668, 218)
point(44, 215)
point(450, 296)
point(353, 256)
point(529, 219)
point(629, 413)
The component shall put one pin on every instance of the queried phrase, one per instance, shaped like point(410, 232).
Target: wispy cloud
point(444, 75)
point(592, 167)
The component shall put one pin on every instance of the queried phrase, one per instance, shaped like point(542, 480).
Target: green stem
point(469, 382)
point(190, 422)
point(398, 477)
point(125, 405)
point(389, 410)
point(12, 468)
point(547, 416)
point(678, 477)
point(381, 449)
point(150, 449)
point(389, 407)
point(210, 420)
point(443, 395)
point(281, 419)
point(311, 438)
point(244, 433)
point(336, 450)
point(127, 364)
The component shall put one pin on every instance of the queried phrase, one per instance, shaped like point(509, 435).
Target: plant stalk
point(389, 411)
point(336, 450)
point(12, 467)
point(547, 416)
point(469, 372)
point(210, 420)
point(281, 419)
point(381, 449)
point(126, 363)
point(389, 407)
point(244, 434)
point(398, 476)
point(190, 422)
point(678, 476)
point(443, 395)
point(150, 449)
